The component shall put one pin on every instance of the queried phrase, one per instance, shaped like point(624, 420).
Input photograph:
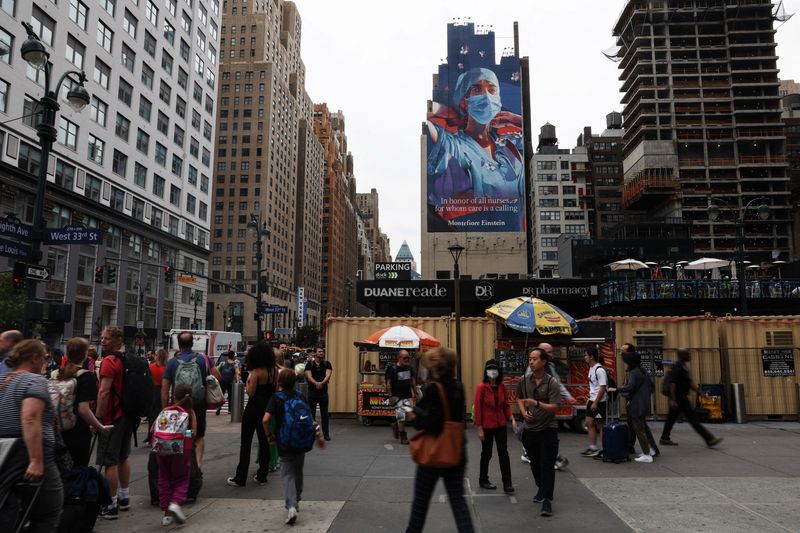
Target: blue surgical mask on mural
point(483, 107)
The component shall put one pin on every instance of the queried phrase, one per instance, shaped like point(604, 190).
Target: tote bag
point(443, 450)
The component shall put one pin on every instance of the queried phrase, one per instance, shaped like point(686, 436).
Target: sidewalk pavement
point(363, 481)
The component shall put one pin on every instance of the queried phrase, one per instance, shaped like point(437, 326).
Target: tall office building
point(560, 199)
point(791, 119)
point(369, 210)
point(268, 167)
point(702, 120)
point(339, 217)
point(133, 164)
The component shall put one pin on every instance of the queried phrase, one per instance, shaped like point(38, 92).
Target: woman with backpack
point(261, 385)
point(174, 466)
point(76, 389)
point(289, 409)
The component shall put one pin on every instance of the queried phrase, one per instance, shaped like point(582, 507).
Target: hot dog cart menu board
point(778, 362)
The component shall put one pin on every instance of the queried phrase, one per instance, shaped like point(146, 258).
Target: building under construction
point(702, 120)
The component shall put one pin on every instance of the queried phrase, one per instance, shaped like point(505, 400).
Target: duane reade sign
point(393, 270)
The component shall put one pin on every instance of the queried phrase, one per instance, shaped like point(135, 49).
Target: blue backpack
point(297, 431)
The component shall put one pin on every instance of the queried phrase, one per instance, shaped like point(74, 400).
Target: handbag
point(444, 450)
point(214, 396)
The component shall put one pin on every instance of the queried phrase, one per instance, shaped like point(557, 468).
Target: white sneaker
point(652, 453)
point(291, 518)
point(166, 520)
point(177, 512)
point(524, 459)
point(643, 458)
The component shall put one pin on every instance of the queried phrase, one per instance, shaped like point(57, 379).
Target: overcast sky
point(374, 60)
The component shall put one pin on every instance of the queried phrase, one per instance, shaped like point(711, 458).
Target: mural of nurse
point(477, 150)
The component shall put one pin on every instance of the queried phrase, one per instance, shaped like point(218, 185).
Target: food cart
point(376, 353)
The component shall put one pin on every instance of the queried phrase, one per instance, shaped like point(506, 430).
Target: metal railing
point(626, 291)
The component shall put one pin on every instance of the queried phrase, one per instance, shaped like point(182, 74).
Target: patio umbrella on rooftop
point(627, 264)
point(707, 263)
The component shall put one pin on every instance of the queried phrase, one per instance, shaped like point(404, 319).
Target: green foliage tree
point(12, 304)
point(307, 336)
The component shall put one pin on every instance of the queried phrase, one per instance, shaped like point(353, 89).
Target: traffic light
point(268, 335)
point(111, 274)
point(98, 274)
point(262, 284)
point(169, 276)
point(18, 276)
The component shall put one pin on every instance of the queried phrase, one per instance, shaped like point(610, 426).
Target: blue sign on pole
point(74, 235)
point(14, 249)
point(273, 309)
point(13, 227)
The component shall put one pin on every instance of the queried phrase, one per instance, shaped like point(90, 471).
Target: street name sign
point(13, 227)
point(273, 309)
point(14, 249)
point(186, 279)
point(393, 270)
point(74, 235)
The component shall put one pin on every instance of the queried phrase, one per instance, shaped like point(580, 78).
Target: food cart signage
point(386, 357)
point(652, 360)
point(777, 362)
point(372, 400)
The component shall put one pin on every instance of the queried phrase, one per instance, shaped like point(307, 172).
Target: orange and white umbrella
point(401, 337)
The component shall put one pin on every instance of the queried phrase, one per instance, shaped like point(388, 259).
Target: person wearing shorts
point(596, 406)
point(114, 447)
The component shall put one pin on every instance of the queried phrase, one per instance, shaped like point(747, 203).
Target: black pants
point(322, 400)
point(499, 436)
point(424, 483)
point(251, 422)
point(632, 434)
point(226, 391)
point(542, 450)
point(685, 408)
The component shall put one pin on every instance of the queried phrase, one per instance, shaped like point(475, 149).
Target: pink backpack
point(169, 431)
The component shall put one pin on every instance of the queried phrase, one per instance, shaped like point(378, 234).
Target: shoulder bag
point(444, 450)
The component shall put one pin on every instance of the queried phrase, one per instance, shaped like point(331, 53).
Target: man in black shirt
point(400, 382)
point(680, 383)
point(318, 374)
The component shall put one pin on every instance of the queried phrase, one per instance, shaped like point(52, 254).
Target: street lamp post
point(36, 55)
point(714, 212)
point(196, 297)
point(260, 230)
point(455, 251)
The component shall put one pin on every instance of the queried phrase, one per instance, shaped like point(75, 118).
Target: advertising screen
point(475, 162)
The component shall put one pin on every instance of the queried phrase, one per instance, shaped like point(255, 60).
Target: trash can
point(737, 398)
point(236, 402)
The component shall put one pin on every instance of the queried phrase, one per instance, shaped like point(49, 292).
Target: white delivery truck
point(211, 343)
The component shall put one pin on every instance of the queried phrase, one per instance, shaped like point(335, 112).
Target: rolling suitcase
point(615, 435)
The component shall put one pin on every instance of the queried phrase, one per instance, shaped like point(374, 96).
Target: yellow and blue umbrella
point(528, 314)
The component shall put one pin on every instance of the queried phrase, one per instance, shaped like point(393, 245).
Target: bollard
point(737, 398)
point(236, 402)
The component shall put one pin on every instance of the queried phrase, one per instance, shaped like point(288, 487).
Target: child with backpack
point(172, 444)
point(294, 434)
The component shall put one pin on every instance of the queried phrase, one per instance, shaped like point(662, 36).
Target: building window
point(7, 40)
point(149, 44)
point(120, 163)
point(156, 217)
point(147, 76)
point(68, 133)
point(177, 165)
point(190, 203)
point(161, 154)
point(105, 36)
point(186, 22)
point(169, 32)
point(158, 185)
point(162, 124)
point(43, 25)
point(29, 158)
point(165, 92)
point(185, 50)
point(137, 209)
point(117, 199)
point(109, 6)
point(192, 178)
point(142, 141)
point(125, 92)
point(8, 6)
point(175, 195)
point(98, 111)
point(75, 51)
point(128, 57)
point(96, 149)
point(129, 24)
point(550, 215)
point(152, 13)
point(65, 174)
point(183, 78)
point(178, 136)
point(140, 175)
point(123, 127)
point(145, 108)
point(101, 73)
point(180, 107)
point(3, 96)
point(92, 190)
point(166, 62)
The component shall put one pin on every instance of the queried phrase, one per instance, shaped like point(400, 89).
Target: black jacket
point(429, 412)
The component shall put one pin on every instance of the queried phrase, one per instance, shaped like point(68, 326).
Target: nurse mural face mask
point(483, 107)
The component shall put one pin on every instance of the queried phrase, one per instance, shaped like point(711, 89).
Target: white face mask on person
point(492, 374)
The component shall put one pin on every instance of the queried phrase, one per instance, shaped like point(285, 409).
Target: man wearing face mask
point(483, 158)
point(318, 374)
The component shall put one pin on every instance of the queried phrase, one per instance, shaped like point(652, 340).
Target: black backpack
point(137, 386)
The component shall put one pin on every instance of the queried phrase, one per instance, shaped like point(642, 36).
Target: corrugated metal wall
point(699, 334)
point(743, 339)
point(477, 340)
